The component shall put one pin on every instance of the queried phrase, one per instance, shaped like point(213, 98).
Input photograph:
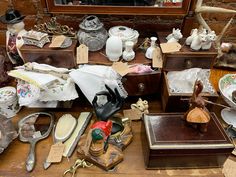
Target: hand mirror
point(32, 129)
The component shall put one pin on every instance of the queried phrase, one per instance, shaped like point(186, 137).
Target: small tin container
point(8, 102)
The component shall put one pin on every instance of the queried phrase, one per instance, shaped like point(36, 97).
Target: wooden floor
point(12, 160)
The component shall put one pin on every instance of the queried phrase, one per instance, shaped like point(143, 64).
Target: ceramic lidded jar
point(125, 33)
point(92, 33)
point(8, 102)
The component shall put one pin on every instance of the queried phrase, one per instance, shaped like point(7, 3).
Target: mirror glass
point(154, 3)
point(122, 7)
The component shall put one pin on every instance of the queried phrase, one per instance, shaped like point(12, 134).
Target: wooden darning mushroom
point(197, 115)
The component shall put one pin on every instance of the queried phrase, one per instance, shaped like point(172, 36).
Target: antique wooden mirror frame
point(118, 10)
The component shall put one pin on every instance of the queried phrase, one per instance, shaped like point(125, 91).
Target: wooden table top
point(12, 160)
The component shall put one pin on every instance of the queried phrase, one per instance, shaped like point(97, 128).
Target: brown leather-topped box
point(171, 143)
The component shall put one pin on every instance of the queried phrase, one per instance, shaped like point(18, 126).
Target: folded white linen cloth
point(91, 79)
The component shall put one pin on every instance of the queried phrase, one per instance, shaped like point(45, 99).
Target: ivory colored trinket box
point(170, 143)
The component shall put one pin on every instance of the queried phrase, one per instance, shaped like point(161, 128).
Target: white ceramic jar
point(128, 53)
point(8, 102)
point(114, 48)
point(125, 33)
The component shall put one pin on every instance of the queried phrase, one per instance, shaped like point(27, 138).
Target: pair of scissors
point(78, 163)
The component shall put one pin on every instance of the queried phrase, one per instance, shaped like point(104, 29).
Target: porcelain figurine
point(197, 116)
point(141, 105)
point(114, 48)
point(15, 31)
point(189, 39)
point(150, 49)
point(210, 38)
point(175, 36)
point(92, 33)
point(197, 42)
point(128, 53)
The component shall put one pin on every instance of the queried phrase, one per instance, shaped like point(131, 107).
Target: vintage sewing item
point(32, 129)
point(7, 132)
point(198, 116)
point(78, 163)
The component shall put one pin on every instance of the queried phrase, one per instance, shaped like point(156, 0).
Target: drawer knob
point(141, 87)
point(188, 63)
point(48, 60)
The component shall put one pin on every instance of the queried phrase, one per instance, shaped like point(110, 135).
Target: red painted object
point(104, 126)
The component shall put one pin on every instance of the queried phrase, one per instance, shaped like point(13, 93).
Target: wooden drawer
point(186, 58)
point(169, 143)
point(55, 57)
point(142, 84)
point(177, 62)
point(174, 102)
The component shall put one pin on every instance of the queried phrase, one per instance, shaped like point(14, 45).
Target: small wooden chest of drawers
point(64, 57)
point(134, 84)
point(177, 61)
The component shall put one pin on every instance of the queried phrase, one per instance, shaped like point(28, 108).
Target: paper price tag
point(121, 68)
point(132, 114)
point(56, 151)
point(82, 54)
point(57, 41)
point(170, 47)
point(157, 61)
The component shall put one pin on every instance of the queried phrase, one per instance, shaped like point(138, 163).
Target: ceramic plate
point(227, 84)
point(229, 116)
point(67, 43)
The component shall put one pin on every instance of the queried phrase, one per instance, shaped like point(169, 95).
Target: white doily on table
point(183, 81)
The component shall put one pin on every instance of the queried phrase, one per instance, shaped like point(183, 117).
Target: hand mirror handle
point(30, 162)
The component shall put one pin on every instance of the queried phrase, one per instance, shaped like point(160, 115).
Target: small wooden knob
point(141, 87)
point(188, 63)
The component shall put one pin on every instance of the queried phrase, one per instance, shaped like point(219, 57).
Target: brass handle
point(141, 87)
point(188, 63)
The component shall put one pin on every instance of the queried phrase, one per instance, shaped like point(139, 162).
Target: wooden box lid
point(168, 131)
